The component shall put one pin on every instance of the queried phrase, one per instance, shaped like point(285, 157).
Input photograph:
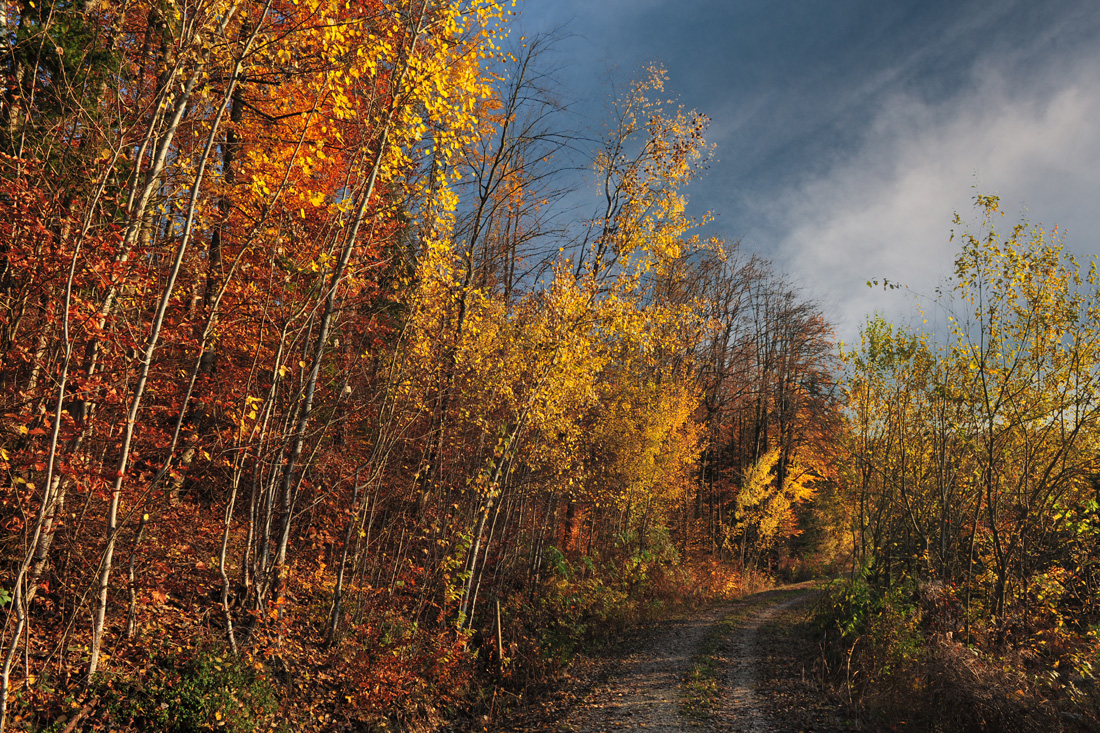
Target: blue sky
point(849, 131)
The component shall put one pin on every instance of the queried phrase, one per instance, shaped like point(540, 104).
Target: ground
point(752, 656)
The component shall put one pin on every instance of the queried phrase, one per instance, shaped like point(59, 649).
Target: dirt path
point(759, 643)
point(768, 685)
point(746, 655)
point(644, 691)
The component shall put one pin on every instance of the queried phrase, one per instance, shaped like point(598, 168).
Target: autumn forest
point(349, 385)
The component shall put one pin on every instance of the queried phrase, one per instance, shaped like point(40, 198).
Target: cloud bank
point(885, 211)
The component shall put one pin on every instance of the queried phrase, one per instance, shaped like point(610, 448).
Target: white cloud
point(885, 212)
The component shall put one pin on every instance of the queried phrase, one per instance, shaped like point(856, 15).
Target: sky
point(849, 132)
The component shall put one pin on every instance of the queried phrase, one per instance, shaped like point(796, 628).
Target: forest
point(330, 401)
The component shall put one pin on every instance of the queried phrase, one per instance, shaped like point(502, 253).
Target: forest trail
point(759, 644)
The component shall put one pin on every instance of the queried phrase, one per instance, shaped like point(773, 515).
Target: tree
point(969, 458)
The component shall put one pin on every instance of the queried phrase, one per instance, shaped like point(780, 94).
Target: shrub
point(184, 690)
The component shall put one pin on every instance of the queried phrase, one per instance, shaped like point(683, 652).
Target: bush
point(893, 650)
point(182, 691)
point(394, 673)
point(887, 618)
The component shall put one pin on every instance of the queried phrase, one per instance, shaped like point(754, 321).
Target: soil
point(765, 646)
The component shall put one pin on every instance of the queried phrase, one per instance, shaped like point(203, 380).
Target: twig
point(83, 713)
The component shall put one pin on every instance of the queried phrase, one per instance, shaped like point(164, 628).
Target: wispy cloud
point(849, 132)
point(886, 210)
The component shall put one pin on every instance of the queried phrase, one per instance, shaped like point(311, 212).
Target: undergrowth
point(387, 671)
point(181, 690)
point(899, 655)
